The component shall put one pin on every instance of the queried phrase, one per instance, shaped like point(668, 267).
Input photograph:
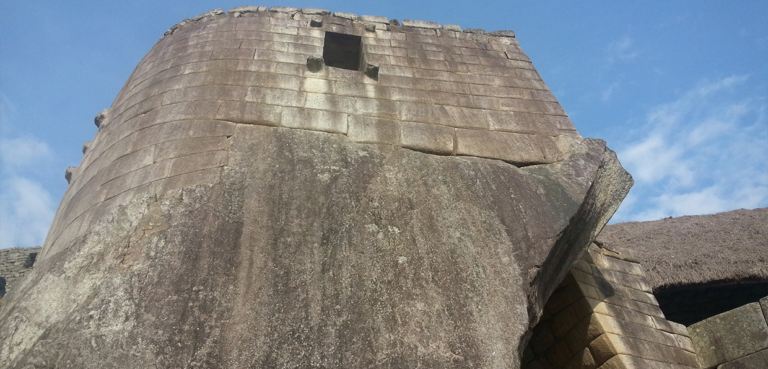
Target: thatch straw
point(730, 246)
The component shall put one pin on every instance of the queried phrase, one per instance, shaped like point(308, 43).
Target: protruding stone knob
point(315, 63)
point(68, 174)
point(101, 118)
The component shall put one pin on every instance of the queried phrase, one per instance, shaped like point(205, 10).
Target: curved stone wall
point(437, 90)
point(246, 203)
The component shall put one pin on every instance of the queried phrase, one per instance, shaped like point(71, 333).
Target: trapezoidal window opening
point(342, 51)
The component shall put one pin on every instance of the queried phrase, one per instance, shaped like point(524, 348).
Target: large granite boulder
point(208, 229)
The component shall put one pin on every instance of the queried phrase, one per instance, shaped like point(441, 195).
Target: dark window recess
point(688, 304)
point(30, 260)
point(342, 51)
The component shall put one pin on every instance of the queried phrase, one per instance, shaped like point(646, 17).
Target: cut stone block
point(283, 9)
point(517, 148)
point(427, 137)
point(374, 19)
point(315, 120)
point(314, 11)
point(349, 16)
point(608, 345)
point(207, 14)
point(374, 130)
point(452, 27)
point(730, 335)
point(420, 24)
point(757, 360)
point(247, 9)
point(503, 33)
point(582, 360)
point(764, 306)
point(632, 362)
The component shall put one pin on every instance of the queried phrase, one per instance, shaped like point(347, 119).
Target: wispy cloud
point(703, 153)
point(26, 207)
point(26, 212)
point(608, 91)
point(622, 49)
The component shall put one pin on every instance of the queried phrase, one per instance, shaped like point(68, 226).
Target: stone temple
point(285, 188)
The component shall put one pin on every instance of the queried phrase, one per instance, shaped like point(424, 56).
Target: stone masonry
point(735, 339)
point(284, 187)
point(437, 90)
point(604, 316)
point(16, 262)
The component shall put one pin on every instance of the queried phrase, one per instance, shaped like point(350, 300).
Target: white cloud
point(622, 49)
point(26, 207)
point(703, 153)
point(20, 153)
point(26, 212)
point(608, 91)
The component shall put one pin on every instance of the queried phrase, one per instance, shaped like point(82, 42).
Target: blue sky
point(678, 88)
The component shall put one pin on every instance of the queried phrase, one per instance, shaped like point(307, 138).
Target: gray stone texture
point(757, 360)
point(595, 319)
point(730, 335)
point(502, 33)
point(283, 9)
point(349, 16)
point(101, 118)
point(315, 11)
point(208, 14)
point(374, 19)
point(243, 211)
point(15, 264)
point(247, 9)
point(420, 24)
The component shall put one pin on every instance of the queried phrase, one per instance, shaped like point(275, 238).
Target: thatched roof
point(728, 246)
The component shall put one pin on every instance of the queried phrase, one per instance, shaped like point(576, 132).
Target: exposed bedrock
point(313, 251)
point(187, 240)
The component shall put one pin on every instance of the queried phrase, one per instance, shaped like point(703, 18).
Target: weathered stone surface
point(101, 118)
point(349, 16)
point(247, 9)
point(752, 361)
point(420, 24)
point(15, 263)
point(730, 335)
point(296, 227)
point(633, 362)
point(503, 33)
point(207, 14)
point(315, 63)
point(315, 11)
point(69, 173)
point(452, 27)
point(374, 19)
point(764, 306)
point(283, 9)
point(475, 30)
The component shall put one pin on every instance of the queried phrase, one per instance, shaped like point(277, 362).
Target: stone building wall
point(247, 204)
point(16, 262)
point(735, 339)
point(604, 316)
point(437, 90)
